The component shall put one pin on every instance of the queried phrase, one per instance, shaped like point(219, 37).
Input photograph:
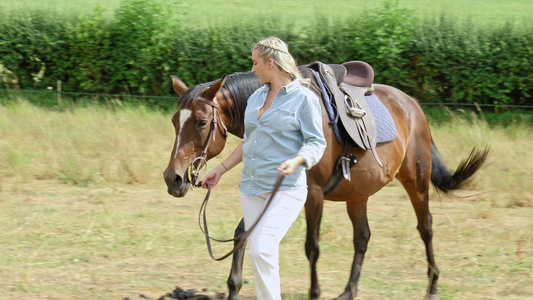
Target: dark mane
point(240, 86)
point(190, 96)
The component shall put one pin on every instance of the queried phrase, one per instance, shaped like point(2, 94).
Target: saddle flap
point(362, 129)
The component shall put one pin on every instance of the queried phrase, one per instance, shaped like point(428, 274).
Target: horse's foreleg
point(313, 213)
point(361, 236)
point(235, 275)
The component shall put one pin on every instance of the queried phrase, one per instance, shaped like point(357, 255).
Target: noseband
point(199, 164)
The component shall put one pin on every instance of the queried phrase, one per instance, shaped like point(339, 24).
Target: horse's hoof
point(314, 294)
point(346, 296)
point(435, 296)
point(313, 297)
point(233, 296)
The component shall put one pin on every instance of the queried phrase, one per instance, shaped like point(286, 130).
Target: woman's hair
point(276, 49)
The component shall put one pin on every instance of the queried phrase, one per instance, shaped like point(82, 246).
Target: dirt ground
point(72, 242)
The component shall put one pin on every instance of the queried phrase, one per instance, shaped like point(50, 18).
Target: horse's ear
point(213, 90)
point(178, 85)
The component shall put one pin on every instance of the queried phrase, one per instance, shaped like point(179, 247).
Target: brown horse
point(208, 111)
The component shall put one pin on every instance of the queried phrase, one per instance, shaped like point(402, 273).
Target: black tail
point(444, 180)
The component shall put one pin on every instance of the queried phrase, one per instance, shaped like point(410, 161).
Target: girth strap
point(345, 161)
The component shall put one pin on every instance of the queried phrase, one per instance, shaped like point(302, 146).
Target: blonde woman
point(283, 135)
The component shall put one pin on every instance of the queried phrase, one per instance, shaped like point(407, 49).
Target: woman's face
point(261, 68)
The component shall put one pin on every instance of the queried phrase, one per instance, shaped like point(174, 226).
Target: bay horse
point(208, 111)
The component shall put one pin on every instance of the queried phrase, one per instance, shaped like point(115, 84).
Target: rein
point(241, 237)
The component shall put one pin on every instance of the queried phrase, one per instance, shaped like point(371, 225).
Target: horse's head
point(200, 134)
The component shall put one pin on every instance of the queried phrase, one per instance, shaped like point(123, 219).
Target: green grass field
point(207, 12)
point(85, 215)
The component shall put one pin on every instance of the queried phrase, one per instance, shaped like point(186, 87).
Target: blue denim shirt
point(291, 126)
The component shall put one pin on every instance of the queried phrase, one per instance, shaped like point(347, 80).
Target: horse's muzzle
point(177, 185)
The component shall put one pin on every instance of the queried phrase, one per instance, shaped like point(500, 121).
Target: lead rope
point(241, 237)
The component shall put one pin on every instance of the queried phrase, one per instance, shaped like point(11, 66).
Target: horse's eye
point(202, 123)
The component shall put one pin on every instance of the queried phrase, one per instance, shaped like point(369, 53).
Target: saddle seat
point(355, 73)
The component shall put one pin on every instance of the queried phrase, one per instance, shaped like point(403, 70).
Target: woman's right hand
point(213, 177)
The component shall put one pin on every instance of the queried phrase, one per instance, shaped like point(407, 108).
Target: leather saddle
point(347, 84)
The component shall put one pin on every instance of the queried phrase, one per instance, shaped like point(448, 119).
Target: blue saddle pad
point(384, 123)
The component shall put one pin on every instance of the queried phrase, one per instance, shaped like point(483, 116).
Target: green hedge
point(136, 52)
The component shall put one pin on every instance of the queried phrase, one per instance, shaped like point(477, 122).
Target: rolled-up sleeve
point(310, 118)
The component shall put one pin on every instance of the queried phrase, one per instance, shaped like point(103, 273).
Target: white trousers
point(264, 240)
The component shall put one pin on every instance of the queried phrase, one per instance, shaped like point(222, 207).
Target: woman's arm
point(231, 161)
point(310, 117)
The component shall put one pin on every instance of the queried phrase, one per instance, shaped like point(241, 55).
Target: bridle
point(198, 167)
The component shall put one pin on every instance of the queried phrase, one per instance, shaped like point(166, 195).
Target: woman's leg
point(265, 239)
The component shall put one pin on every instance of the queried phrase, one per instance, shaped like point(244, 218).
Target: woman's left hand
point(288, 166)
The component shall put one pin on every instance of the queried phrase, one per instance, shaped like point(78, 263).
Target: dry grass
point(85, 215)
point(82, 146)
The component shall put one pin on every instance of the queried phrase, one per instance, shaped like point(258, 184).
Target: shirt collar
point(288, 88)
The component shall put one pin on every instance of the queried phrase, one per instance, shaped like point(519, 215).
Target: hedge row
point(137, 51)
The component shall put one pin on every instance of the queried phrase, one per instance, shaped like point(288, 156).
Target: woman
point(283, 135)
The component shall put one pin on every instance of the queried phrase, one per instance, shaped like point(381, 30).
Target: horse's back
point(399, 103)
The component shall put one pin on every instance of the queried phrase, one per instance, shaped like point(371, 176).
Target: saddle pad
point(384, 123)
point(385, 126)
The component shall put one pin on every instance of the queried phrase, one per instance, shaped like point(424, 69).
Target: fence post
point(59, 102)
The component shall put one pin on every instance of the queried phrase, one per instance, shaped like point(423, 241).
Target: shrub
point(135, 53)
point(31, 44)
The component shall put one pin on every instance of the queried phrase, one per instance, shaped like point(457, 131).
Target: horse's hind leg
point(361, 236)
point(415, 177)
point(235, 275)
point(313, 216)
